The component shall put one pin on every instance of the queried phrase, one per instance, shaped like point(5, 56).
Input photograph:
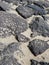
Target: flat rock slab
point(24, 11)
point(11, 23)
point(40, 26)
point(37, 46)
point(34, 62)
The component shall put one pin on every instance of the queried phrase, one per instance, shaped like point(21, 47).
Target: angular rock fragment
point(40, 26)
point(38, 46)
point(24, 11)
point(10, 49)
point(17, 2)
point(9, 61)
point(42, 3)
point(22, 38)
point(38, 10)
point(10, 23)
point(34, 62)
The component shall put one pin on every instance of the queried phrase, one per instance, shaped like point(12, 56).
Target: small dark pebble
point(34, 62)
point(22, 38)
point(38, 46)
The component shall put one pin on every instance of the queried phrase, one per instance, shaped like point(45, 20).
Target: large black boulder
point(37, 46)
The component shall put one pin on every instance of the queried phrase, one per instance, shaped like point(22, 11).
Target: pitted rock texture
point(38, 46)
point(11, 23)
point(34, 62)
point(40, 26)
point(7, 54)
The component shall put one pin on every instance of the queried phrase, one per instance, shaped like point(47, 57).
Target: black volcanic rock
point(40, 26)
point(37, 46)
point(34, 62)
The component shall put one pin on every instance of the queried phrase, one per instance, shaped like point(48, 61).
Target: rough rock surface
point(21, 22)
point(7, 54)
point(25, 11)
point(34, 62)
point(40, 26)
point(38, 46)
point(22, 38)
point(9, 61)
point(9, 23)
point(10, 49)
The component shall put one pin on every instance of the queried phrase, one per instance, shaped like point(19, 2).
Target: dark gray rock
point(10, 49)
point(34, 62)
point(38, 10)
point(1, 9)
point(42, 3)
point(10, 23)
point(38, 3)
point(2, 46)
point(22, 38)
point(9, 61)
point(38, 46)
point(17, 2)
point(24, 11)
point(40, 26)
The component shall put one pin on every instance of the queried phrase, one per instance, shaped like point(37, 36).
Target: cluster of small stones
point(11, 24)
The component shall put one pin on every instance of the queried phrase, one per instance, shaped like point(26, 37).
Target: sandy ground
point(25, 60)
